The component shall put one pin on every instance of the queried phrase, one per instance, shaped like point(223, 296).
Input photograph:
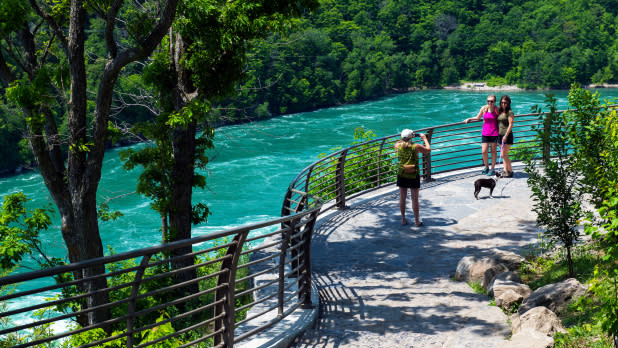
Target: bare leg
point(403, 194)
point(484, 151)
point(415, 207)
point(493, 155)
point(505, 156)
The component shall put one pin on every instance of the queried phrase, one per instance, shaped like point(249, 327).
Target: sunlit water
point(252, 164)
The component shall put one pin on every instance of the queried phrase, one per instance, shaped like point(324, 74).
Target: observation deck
point(381, 284)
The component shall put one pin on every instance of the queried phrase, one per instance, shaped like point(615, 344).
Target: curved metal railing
point(242, 281)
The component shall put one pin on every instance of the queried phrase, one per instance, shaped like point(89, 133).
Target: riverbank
point(483, 86)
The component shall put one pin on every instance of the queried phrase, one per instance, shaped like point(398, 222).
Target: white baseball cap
point(407, 134)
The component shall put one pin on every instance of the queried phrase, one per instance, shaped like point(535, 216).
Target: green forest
point(351, 50)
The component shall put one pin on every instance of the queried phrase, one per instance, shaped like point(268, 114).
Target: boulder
point(462, 273)
point(508, 300)
point(508, 258)
point(539, 319)
point(529, 339)
point(553, 296)
point(501, 286)
point(482, 271)
point(508, 280)
point(490, 274)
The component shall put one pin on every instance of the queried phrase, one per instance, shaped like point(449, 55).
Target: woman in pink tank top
point(489, 135)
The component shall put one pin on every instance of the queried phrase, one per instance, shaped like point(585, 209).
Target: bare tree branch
point(46, 50)
point(50, 20)
point(13, 52)
point(143, 100)
point(109, 28)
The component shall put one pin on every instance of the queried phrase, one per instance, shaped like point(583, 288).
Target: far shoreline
point(482, 86)
point(477, 86)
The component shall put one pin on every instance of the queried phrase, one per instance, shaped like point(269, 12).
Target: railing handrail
point(18, 278)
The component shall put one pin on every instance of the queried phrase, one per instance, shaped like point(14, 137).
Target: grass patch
point(477, 287)
point(580, 318)
point(582, 336)
point(494, 81)
point(552, 268)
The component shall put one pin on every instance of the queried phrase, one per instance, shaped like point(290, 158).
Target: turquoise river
point(252, 164)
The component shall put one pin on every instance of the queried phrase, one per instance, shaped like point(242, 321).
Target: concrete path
point(382, 284)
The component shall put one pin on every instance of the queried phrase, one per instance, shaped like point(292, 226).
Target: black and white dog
point(489, 183)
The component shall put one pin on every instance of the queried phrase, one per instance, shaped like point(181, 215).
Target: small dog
point(489, 183)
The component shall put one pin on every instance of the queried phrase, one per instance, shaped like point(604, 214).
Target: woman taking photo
point(408, 176)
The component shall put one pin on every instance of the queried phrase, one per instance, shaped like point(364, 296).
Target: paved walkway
point(386, 285)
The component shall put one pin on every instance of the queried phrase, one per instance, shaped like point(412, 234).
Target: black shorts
point(489, 139)
point(509, 139)
point(409, 183)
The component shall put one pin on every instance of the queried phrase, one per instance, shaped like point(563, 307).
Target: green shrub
point(365, 168)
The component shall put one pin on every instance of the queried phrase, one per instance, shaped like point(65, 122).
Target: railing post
point(285, 208)
point(340, 180)
point(308, 178)
point(427, 159)
point(133, 299)
point(305, 296)
point(380, 163)
point(285, 242)
point(293, 241)
point(227, 293)
point(546, 137)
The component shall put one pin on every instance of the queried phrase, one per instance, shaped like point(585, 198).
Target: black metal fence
point(149, 306)
point(244, 280)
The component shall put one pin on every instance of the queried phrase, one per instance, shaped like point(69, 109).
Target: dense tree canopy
point(350, 50)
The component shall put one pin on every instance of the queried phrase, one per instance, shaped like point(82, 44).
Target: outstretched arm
point(424, 149)
point(478, 116)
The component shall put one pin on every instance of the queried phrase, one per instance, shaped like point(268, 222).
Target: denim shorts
point(489, 139)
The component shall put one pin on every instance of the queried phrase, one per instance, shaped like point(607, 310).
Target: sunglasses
point(491, 101)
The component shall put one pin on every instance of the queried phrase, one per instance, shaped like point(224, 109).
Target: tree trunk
point(81, 234)
point(183, 147)
point(570, 262)
point(84, 242)
point(182, 190)
point(164, 231)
